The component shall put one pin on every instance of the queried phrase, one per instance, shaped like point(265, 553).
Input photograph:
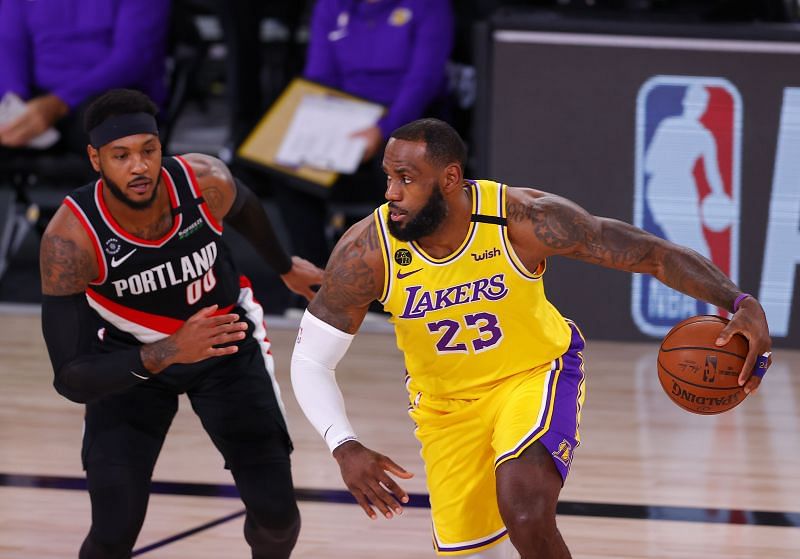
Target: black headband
point(119, 126)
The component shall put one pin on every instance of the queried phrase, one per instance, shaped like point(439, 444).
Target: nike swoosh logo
point(401, 275)
point(115, 262)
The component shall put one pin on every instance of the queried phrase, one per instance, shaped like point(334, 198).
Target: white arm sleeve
point(318, 350)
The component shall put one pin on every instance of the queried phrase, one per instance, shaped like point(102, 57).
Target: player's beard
point(425, 222)
point(117, 192)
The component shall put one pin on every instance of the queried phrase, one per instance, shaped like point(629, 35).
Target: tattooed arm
point(543, 224)
point(353, 278)
point(229, 198)
point(69, 326)
point(215, 181)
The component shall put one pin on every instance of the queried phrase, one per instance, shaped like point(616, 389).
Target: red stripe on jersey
point(117, 228)
point(209, 217)
point(245, 283)
point(159, 323)
point(102, 269)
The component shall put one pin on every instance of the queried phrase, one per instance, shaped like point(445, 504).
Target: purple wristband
point(762, 362)
point(738, 301)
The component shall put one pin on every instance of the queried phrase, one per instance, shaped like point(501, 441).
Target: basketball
point(696, 374)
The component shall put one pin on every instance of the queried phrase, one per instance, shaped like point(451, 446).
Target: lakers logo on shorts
point(564, 452)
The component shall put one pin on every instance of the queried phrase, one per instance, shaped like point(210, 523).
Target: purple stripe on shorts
point(559, 439)
point(456, 548)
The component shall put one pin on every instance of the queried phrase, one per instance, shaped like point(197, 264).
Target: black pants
point(238, 408)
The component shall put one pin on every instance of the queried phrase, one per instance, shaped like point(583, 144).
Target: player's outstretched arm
point(554, 225)
point(353, 279)
point(68, 265)
point(230, 199)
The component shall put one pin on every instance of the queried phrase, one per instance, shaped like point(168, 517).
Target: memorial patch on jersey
point(402, 256)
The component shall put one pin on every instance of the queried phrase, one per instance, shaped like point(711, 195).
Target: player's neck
point(138, 220)
point(450, 234)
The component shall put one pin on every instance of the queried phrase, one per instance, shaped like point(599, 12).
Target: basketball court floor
point(649, 480)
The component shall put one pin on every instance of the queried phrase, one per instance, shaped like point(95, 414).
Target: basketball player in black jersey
point(142, 303)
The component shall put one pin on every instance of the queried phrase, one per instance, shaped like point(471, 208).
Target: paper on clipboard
point(320, 133)
point(11, 106)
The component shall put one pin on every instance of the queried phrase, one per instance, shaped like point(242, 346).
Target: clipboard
point(263, 144)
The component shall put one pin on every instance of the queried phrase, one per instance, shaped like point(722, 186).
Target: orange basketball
point(696, 374)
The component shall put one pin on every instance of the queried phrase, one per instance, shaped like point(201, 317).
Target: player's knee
point(280, 516)
point(271, 537)
point(268, 494)
point(537, 517)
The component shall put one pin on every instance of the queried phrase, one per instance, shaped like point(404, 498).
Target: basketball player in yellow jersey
point(494, 372)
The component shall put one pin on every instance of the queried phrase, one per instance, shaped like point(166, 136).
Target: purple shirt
point(76, 49)
point(392, 52)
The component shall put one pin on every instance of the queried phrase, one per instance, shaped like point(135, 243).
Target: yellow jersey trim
point(380, 224)
point(509, 248)
point(467, 240)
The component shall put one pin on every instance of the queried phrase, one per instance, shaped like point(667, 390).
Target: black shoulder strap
point(493, 219)
point(188, 199)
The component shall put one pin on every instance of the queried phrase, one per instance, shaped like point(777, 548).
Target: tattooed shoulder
point(66, 258)
point(353, 278)
point(557, 223)
point(215, 199)
point(66, 268)
point(201, 164)
point(563, 227)
point(215, 181)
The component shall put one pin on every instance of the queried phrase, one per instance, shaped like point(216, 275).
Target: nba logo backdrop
point(688, 141)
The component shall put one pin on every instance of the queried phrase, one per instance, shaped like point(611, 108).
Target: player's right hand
point(751, 322)
point(197, 339)
point(203, 333)
point(364, 471)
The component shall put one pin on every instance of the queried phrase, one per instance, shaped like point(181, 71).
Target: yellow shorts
point(463, 441)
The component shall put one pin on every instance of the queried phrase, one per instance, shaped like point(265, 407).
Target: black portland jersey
point(147, 288)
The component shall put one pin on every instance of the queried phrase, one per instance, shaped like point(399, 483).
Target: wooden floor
point(703, 484)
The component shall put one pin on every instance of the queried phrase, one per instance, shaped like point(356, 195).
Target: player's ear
point(453, 178)
point(94, 157)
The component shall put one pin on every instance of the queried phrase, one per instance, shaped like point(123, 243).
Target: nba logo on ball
point(688, 142)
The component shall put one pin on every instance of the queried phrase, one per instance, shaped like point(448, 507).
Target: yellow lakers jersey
point(475, 317)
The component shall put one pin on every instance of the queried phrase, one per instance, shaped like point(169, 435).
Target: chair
point(33, 183)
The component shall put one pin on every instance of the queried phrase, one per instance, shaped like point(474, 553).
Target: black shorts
point(233, 396)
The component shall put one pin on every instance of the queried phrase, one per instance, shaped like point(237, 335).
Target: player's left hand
point(374, 139)
point(751, 322)
point(40, 114)
point(302, 276)
point(365, 472)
